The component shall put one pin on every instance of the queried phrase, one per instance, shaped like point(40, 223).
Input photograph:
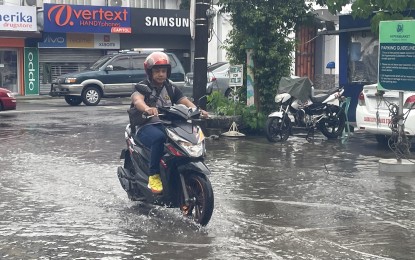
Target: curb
point(33, 97)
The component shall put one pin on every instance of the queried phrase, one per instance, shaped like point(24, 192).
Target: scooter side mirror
point(204, 98)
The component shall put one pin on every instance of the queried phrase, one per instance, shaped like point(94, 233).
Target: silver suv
point(110, 76)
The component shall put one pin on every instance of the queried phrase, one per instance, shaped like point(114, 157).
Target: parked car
point(217, 79)
point(7, 100)
point(373, 115)
point(111, 76)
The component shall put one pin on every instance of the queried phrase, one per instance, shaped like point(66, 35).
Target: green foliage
point(220, 105)
point(264, 27)
point(252, 121)
point(379, 10)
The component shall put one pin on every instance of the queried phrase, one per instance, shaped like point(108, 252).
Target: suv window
point(122, 63)
point(100, 62)
point(138, 63)
point(172, 62)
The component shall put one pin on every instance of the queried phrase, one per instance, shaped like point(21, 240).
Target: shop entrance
point(8, 70)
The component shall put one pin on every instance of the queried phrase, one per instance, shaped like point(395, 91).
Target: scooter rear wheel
point(201, 201)
point(333, 125)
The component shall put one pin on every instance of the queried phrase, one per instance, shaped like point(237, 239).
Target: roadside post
point(397, 72)
point(250, 82)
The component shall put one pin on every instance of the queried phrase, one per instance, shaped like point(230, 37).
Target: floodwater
point(60, 197)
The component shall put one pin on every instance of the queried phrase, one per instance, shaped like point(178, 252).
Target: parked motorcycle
point(183, 173)
point(299, 108)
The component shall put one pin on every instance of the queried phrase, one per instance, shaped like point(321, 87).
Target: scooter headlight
point(278, 98)
point(193, 150)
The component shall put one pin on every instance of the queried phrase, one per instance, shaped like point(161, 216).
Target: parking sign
point(236, 73)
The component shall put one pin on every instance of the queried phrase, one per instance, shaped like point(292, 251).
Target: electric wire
point(398, 142)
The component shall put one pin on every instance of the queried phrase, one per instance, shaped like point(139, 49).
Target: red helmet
point(157, 59)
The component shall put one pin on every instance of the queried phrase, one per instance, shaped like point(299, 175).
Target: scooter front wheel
point(201, 201)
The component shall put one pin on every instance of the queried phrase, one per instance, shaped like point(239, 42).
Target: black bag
point(136, 117)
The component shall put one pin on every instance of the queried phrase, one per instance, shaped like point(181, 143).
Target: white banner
point(18, 18)
point(106, 41)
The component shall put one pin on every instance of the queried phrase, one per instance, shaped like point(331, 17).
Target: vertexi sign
point(80, 40)
point(160, 21)
point(397, 55)
point(18, 18)
point(88, 19)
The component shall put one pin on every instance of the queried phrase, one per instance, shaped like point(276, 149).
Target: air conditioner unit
point(37, 3)
point(120, 3)
point(98, 2)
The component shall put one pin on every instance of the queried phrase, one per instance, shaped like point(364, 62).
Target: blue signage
point(56, 40)
point(87, 19)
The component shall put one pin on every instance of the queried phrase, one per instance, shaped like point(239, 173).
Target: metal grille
point(69, 55)
point(156, 4)
point(49, 72)
point(71, 2)
point(56, 62)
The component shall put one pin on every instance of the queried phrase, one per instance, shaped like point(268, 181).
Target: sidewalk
point(34, 97)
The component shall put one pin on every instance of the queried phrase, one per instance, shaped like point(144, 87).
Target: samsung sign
point(160, 21)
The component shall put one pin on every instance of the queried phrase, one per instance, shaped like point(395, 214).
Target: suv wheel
point(91, 96)
point(73, 100)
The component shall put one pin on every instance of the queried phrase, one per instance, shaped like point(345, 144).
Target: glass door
point(8, 70)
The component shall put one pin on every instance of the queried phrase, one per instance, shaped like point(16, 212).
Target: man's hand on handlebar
point(152, 111)
point(204, 114)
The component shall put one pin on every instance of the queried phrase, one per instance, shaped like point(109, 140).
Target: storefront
point(16, 24)
point(62, 53)
point(74, 36)
point(160, 28)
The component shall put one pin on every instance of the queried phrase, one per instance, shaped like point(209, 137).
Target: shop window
point(8, 70)
point(363, 58)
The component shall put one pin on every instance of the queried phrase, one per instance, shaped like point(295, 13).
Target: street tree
point(267, 28)
point(378, 10)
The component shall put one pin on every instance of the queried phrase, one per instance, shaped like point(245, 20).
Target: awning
point(18, 34)
point(336, 32)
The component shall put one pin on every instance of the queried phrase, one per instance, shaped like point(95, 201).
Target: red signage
point(121, 29)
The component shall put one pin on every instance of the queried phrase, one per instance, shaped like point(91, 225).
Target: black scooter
point(183, 172)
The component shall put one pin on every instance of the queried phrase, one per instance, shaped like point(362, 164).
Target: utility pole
point(201, 51)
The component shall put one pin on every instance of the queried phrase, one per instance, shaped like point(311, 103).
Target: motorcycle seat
point(322, 96)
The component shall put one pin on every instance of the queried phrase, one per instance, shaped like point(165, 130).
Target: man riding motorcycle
point(151, 133)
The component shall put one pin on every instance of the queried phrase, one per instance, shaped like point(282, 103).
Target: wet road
point(60, 197)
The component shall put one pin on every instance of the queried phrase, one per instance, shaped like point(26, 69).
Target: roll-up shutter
point(56, 62)
point(69, 55)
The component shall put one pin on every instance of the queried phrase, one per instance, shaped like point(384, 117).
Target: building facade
point(56, 37)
